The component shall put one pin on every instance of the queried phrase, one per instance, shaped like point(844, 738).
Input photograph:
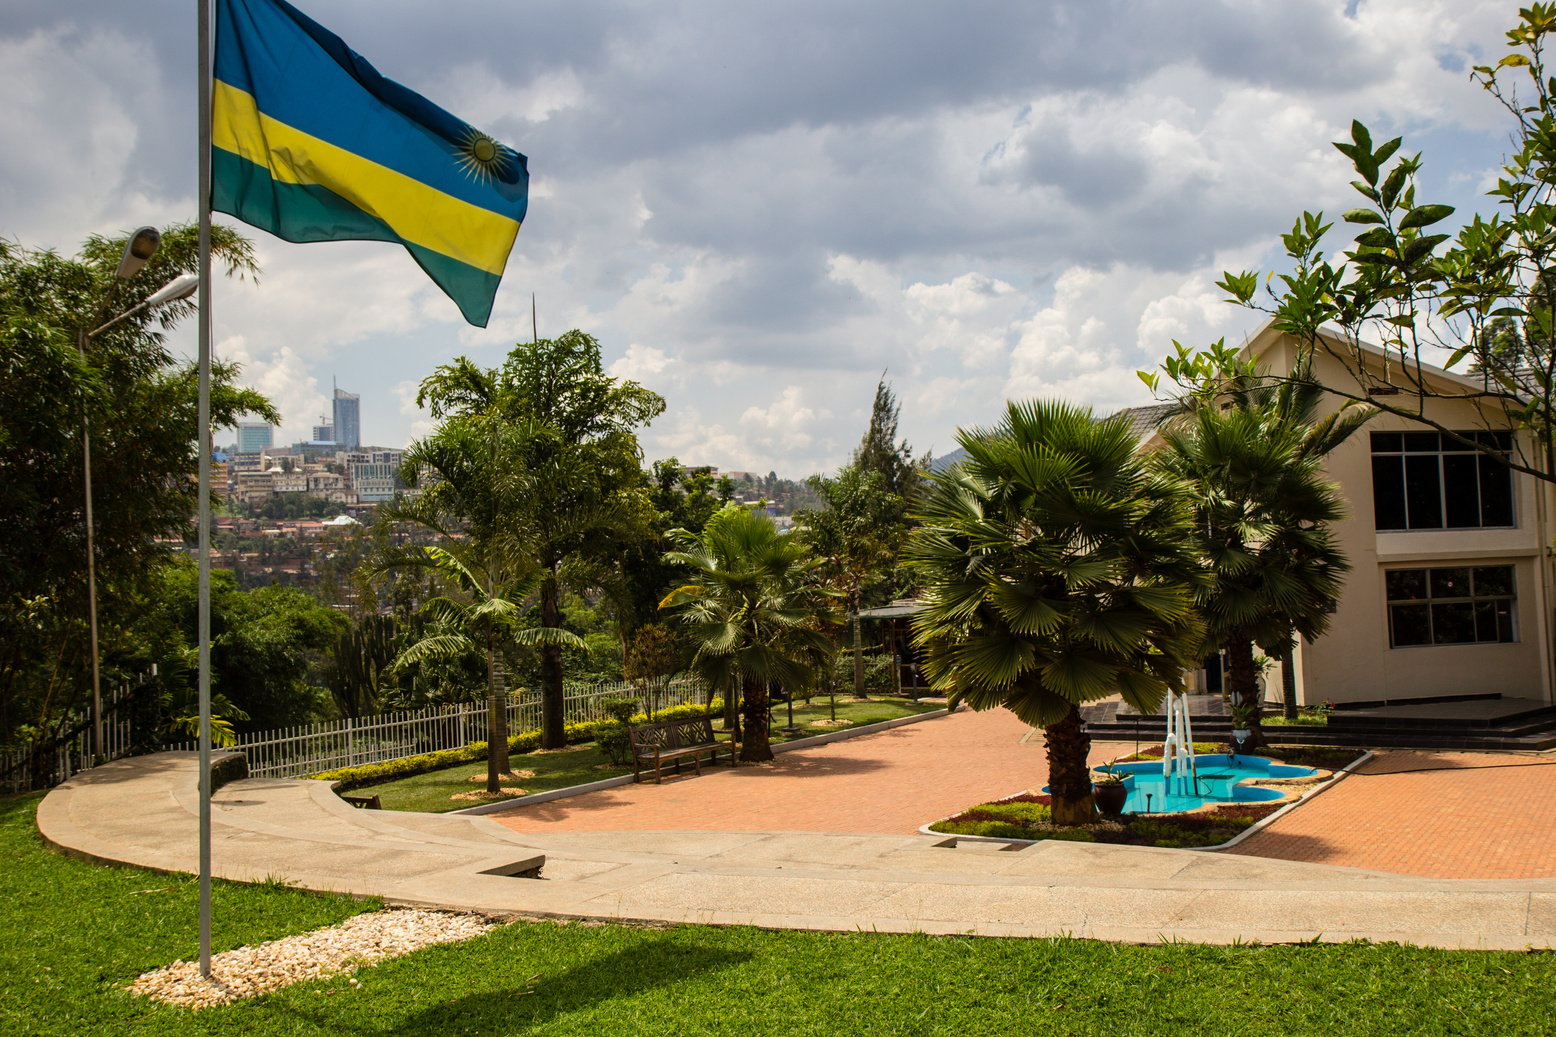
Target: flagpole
point(203, 445)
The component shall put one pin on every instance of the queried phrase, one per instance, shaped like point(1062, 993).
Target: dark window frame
point(1426, 480)
point(1433, 607)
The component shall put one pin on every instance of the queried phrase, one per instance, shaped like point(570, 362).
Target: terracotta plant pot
point(1110, 798)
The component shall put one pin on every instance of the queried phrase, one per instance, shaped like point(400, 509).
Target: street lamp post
point(141, 247)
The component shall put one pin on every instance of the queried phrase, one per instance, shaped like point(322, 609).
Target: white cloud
point(1036, 201)
point(283, 376)
point(643, 364)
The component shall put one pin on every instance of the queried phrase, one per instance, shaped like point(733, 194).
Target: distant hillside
point(940, 464)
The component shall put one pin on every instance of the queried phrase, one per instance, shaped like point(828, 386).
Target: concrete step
point(1533, 717)
point(1523, 737)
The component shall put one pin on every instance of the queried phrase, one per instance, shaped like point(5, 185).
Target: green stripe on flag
point(308, 213)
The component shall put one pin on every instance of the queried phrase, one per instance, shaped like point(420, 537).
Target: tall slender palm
point(482, 612)
point(1058, 568)
point(578, 450)
point(752, 613)
point(476, 503)
point(1263, 508)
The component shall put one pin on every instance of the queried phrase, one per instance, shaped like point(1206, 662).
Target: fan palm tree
point(1253, 458)
point(1058, 568)
point(752, 613)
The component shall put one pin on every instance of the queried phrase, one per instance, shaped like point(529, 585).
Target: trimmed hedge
point(350, 778)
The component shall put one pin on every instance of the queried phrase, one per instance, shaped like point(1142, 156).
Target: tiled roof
point(1145, 420)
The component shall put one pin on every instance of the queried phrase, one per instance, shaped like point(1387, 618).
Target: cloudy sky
point(758, 208)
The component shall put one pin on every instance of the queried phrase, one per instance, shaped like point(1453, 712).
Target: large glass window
point(1450, 606)
point(1426, 480)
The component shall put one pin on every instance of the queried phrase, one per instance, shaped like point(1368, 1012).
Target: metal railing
point(297, 751)
point(46, 765)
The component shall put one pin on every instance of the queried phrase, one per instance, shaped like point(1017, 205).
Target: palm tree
point(481, 614)
point(752, 614)
point(477, 503)
point(1058, 569)
point(1263, 507)
point(572, 437)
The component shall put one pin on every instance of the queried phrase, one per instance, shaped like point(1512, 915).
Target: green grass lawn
point(579, 764)
point(73, 934)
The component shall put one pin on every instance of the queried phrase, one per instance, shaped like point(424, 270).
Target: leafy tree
point(298, 505)
point(142, 406)
point(478, 504)
point(856, 539)
point(573, 436)
point(859, 530)
point(753, 615)
point(1253, 459)
point(1058, 568)
point(1481, 301)
point(654, 653)
point(482, 612)
point(359, 664)
point(268, 651)
point(634, 581)
point(881, 451)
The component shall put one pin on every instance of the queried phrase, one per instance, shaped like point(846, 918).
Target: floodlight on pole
point(181, 287)
point(141, 247)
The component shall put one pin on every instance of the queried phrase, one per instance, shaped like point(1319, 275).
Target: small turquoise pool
point(1217, 781)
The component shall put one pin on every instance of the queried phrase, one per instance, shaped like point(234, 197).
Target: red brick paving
point(1464, 815)
point(886, 783)
point(1434, 814)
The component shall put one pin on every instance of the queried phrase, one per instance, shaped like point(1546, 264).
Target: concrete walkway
point(143, 811)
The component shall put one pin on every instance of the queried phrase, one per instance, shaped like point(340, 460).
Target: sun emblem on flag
point(483, 157)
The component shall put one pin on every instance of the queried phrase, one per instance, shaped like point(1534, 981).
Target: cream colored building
point(1449, 592)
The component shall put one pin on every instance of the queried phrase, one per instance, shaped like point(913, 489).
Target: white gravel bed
point(361, 940)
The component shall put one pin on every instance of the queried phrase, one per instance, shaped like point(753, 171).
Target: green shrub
point(611, 735)
point(621, 710)
point(1012, 829)
point(1070, 835)
point(1028, 813)
point(992, 829)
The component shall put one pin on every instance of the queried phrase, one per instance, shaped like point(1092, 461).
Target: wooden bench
point(664, 741)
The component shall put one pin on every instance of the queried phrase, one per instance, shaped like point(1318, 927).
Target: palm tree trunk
point(854, 602)
point(755, 746)
point(1069, 776)
point(1288, 685)
point(553, 725)
point(1243, 683)
point(732, 710)
point(496, 715)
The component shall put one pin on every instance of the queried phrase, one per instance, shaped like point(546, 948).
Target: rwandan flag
point(310, 143)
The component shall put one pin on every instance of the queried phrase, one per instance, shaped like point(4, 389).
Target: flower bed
point(1027, 817)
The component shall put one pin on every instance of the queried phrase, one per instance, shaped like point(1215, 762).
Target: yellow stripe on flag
point(419, 214)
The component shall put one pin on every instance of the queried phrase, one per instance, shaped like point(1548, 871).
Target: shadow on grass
point(531, 1006)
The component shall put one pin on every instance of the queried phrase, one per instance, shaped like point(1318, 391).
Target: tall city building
point(254, 436)
point(348, 420)
point(323, 433)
